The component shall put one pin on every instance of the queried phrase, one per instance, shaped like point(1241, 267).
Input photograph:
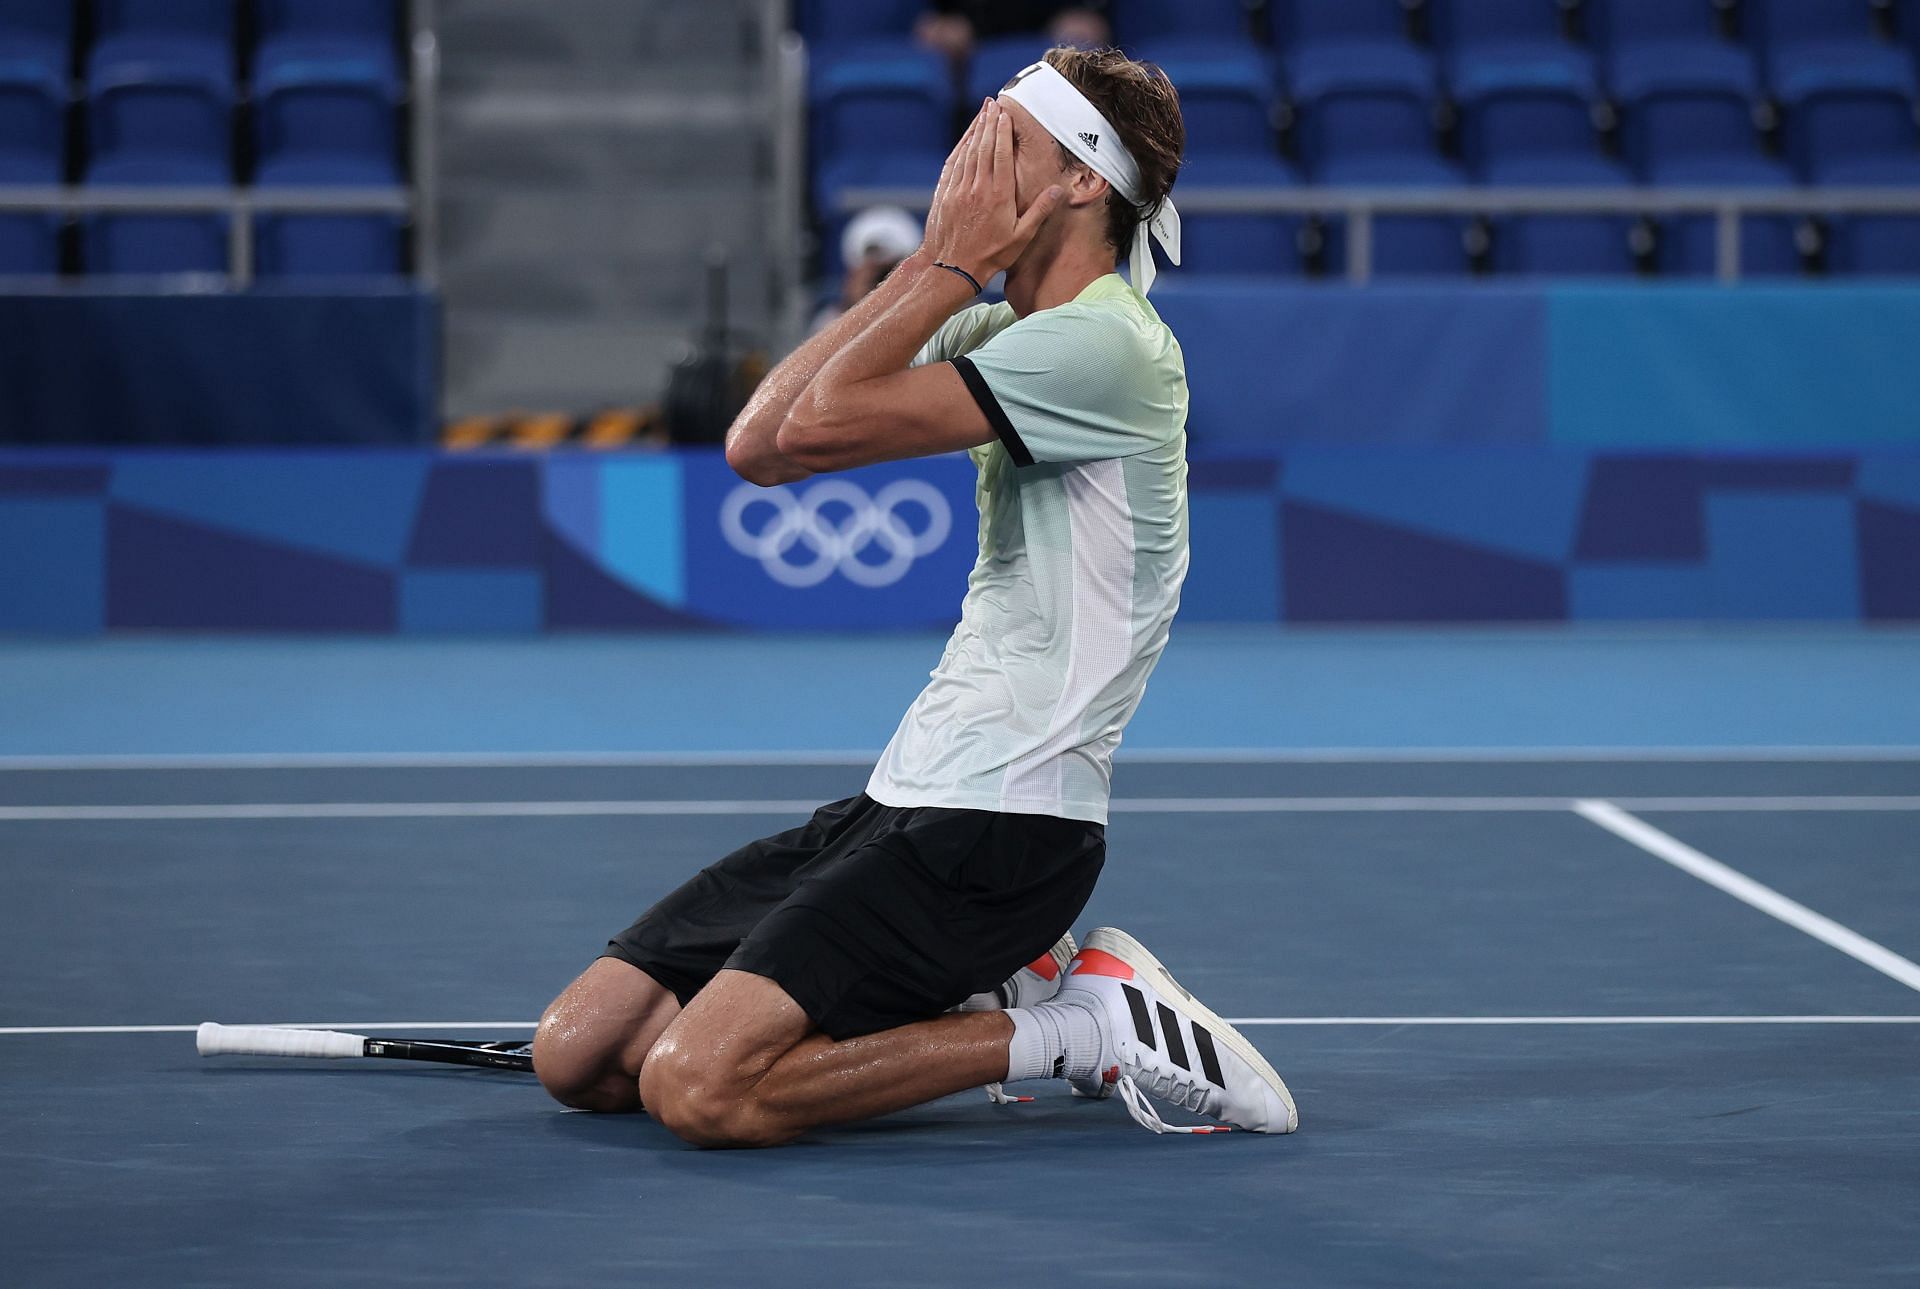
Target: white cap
point(885, 230)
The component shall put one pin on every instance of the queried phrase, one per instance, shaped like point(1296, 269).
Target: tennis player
point(895, 948)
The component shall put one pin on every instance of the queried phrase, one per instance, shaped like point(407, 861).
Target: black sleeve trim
point(996, 416)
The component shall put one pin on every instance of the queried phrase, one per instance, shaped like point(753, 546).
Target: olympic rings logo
point(834, 524)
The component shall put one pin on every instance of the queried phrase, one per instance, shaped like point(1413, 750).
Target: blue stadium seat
point(1226, 96)
point(1689, 243)
point(36, 34)
point(1562, 244)
point(1403, 245)
point(1517, 109)
point(1459, 24)
point(155, 243)
point(162, 115)
point(1232, 243)
point(1822, 48)
point(1876, 244)
point(1363, 101)
point(838, 20)
point(29, 245)
point(909, 171)
point(1298, 24)
point(1838, 110)
point(312, 246)
point(33, 122)
point(295, 31)
point(181, 36)
point(996, 61)
point(328, 108)
point(1628, 24)
point(879, 97)
point(1161, 21)
point(1680, 117)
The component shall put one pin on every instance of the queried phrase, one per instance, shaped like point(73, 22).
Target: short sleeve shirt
point(1083, 549)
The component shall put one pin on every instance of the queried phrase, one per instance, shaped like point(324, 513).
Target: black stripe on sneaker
point(1170, 1026)
point(1142, 1023)
point(1209, 1059)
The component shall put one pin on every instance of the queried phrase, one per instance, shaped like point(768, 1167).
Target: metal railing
point(1360, 207)
point(241, 205)
point(784, 75)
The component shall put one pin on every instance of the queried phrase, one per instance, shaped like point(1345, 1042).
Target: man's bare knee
point(593, 1040)
point(581, 1073)
point(702, 1104)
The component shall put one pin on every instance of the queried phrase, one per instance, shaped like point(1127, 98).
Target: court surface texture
point(1553, 1016)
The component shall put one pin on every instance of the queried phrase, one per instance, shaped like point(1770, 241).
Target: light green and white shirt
point(1083, 547)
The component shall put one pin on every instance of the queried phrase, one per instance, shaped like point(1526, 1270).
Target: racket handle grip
point(270, 1040)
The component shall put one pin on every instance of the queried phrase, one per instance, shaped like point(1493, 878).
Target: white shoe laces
point(1147, 1117)
point(998, 1095)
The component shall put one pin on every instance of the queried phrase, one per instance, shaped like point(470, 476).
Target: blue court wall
point(1615, 367)
point(417, 542)
point(269, 365)
point(1399, 454)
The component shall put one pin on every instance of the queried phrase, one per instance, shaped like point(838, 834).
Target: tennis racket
point(274, 1040)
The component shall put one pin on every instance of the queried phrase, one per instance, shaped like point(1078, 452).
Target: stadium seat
point(1839, 112)
point(997, 61)
point(33, 122)
point(29, 245)
point(837, 20)
point(1562, 244)
point(295, 31)
point(1826, 49)
point(328, 107)
point(1403, 245)
point(1235, 243)
point(1226, 96)
point(1165, 21)
point(36, 34)
point(1689, 244)
point(311, 246)
point(879, 97)
point(1461, 24)
point(1666, 125)
point(907, 171)
point(1513, 110)
point(1875, 244)
point(1356, 101)
point(186, 243)
point(159, 115)
point(1299, 24)
point(1616, 25)
point(180, 36)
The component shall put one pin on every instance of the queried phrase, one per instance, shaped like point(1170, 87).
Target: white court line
point(1743, 888)
point(423, 1026)
point(831, 757)
point(1119, 806)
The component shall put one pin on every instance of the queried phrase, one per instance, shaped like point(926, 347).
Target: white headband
point(1067, 114)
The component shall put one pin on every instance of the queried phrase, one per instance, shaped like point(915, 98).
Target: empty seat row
point(1610, 25)
point(161, 99)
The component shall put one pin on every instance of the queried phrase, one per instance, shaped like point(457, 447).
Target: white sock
point(1056, 1040)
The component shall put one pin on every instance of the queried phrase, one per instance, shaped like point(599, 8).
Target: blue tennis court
point(1539, 1030)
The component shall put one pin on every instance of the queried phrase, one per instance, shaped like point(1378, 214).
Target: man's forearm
point(926, 296)
point(751, 440)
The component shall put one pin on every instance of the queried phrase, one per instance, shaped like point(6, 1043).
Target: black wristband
point(955, 268)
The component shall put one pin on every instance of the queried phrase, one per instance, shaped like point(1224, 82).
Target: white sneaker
point(1159, 1040)
point(1034, 983)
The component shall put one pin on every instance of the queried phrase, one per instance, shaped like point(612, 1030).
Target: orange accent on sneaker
point(1098, 962)
point(1112, 1075)
point(1044, 967)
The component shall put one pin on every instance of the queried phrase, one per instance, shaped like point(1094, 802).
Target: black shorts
point(873, 916)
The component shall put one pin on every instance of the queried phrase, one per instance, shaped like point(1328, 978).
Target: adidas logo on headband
point(1092, 140)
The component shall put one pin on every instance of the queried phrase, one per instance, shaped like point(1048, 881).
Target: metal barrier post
point(1726, 244)
point(1359, 244)
point(423, 129)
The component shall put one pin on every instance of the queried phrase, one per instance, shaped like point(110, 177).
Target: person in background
point(874, 243)
point(951, 26)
